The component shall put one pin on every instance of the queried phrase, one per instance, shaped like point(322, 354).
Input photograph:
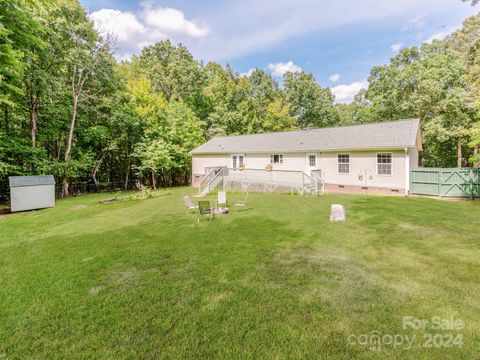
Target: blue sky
point(338, 41)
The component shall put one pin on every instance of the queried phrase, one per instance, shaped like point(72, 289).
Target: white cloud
point(396, 47)
point(248, 73)
point(129, 33)
point(334, 77)
point(442, 34)
point(132, 31)
point(344, 93)
point(122, 24)
point(280, 69)
point(172, 21)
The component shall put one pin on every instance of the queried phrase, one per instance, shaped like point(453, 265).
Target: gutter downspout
point(407, 173)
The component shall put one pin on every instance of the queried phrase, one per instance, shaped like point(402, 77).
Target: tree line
point(67, 108)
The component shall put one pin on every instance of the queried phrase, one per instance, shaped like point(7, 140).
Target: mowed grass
point(276, 280)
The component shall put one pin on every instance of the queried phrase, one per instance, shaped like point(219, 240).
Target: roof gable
point(386, 135)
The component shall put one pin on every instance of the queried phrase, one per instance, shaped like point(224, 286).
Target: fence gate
point(454, 182)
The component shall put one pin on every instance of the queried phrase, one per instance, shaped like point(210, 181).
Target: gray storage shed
point(31, 192)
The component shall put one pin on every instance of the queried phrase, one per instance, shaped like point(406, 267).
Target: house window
point(312, 160)
point(276, 159)
point(237, 160)
point(343, 163)
point(384, 164)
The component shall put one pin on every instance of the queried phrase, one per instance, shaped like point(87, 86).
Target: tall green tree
point(312, 105)
point(88, 58)
point(172, 70)
point(19, 34)
point(359, 111)
point(430, 83)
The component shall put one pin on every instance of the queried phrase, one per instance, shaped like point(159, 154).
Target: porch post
point(407, 173)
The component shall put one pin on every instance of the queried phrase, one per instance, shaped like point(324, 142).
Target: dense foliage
point(68, 108)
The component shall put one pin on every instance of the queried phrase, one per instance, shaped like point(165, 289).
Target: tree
point(359, 111)
point(46, 57)
point(264, 90)
point(278, 117)
point(87, 54)
point(312, 105)
point(184, 133)
point(19, 29)
point(154, 157)
point(429, 83)
point(475, 144)
point(172, 70)
point(143, 120)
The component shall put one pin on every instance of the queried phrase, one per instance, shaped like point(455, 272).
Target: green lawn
point(277, 280)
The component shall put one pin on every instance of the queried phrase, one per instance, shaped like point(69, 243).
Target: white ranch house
point(375, 157)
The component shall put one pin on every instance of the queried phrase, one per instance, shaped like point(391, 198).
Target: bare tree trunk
point(95, 170)
point(475, 153)
point(77, 88)
point(127, 174)
point(186, 178)
point(459, 152)
point(33, 123)
point(33, 120)
point(59, 146)
point(65, 187)
point(72, 127)
point(153, 181)
point(69, 142)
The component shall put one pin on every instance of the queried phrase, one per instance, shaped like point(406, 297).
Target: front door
point(311, 163)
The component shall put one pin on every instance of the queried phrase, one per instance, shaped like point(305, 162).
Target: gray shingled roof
point(19, 181)
point(386, 135)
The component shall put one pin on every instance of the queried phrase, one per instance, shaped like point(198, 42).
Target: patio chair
point(188, 203)
point(222, 199)
point(244, 203)
point(205, 209)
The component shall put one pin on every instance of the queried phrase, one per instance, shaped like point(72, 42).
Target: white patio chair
point(244, 203)
point(222, 199)
point(188, 203)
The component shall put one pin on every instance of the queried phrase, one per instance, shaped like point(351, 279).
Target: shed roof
point(385, 135)
point(20, 181)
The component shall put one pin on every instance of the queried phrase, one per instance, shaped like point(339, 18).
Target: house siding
point(291, 161)
point(359, 162)
point(327, 162)
point(200, 162)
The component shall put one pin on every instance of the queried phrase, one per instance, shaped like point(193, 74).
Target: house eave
point(318, 150)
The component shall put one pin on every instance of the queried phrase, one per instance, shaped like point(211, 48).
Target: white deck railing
point(261, 180)
point(210, 175)
point(281, 177)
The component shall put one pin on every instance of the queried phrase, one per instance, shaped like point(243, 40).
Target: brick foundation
point(353, 189)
